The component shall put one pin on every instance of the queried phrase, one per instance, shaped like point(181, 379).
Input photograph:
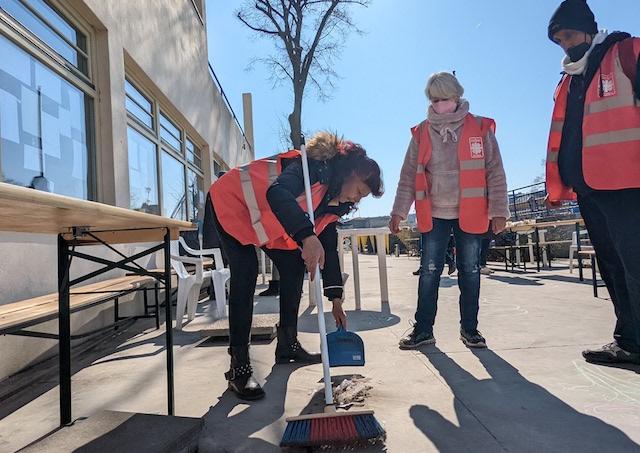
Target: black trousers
point(243, 264)
point(613, 221)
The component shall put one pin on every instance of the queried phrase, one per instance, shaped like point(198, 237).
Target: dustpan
point(345, 348)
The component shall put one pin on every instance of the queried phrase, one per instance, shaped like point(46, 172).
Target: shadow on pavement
point(358, 320)
point(229, 425)
point(509, 413)
point(515, 280)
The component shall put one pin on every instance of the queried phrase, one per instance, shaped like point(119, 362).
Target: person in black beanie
point(594, 156)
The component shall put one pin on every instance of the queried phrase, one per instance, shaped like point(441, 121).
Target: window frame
point(161, 145)
point(47, 52)
point(25, 39)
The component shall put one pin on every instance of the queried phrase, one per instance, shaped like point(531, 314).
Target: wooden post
point(356, 270)
point(382, 267)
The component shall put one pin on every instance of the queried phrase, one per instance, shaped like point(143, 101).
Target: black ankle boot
point(240, 375)
point(290, 350)
point(272, 290)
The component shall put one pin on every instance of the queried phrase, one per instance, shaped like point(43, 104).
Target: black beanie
point(574, 15)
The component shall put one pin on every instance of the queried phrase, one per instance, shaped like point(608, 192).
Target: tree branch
point(306, 64)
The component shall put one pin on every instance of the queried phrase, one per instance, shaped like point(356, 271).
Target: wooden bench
point(17, 316)
point(591, 254)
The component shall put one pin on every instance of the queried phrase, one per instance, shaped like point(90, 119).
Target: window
point(193, 154)
point(195, 196)
point(143, 172)
point(48, 25)
point(45, 111)
point(138, 106)
point(159, 147)
point(174, 197)
point(170, 133)
point(217, 168)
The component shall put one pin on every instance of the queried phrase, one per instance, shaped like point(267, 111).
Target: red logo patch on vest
point(608, 85)
point(477, 148)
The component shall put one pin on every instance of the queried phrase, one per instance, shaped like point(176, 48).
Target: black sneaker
point(416, 339)
point(611, 353)
point(473, 339)
point(418, 271)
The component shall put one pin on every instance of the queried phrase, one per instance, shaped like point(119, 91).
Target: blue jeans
point(434, 248)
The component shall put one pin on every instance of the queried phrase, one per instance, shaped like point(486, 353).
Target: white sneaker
point(484, 270)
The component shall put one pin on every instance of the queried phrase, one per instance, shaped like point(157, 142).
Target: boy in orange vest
point(594, 154)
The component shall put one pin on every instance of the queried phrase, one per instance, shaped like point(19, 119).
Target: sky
point(498, 48)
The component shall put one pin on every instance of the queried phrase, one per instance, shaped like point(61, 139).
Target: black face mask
point(576, 53)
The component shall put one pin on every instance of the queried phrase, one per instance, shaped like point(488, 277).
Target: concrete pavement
point(529, 392)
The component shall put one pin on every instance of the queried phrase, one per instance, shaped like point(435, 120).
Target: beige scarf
point(446, 124)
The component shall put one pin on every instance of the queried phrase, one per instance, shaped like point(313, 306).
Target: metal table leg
point(593, 276)
point(64, 331)
point(537, 236)
point(168, 320)
point(578, 246)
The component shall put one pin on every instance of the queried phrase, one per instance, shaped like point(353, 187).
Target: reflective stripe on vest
point(555, 188)
point(240, 203)
point(610, 130)
point(473, 203)
point(250, 196)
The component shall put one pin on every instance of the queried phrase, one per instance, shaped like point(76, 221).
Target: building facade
point(111, 101)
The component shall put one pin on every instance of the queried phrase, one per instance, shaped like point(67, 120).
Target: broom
point(330, 427)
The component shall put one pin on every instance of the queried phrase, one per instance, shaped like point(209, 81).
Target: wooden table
point(380, 234)
point(79, 223)
point(527, 227)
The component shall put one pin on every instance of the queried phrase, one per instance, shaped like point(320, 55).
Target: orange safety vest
point(473, 206)
point(240, 201)
point(610, 128)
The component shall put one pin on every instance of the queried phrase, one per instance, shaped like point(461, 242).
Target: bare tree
point(308, 36)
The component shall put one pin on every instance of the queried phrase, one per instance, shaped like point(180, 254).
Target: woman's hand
point(338, 313)
point(312, 254)
point(394, 224)
point(498, 224)
point(551, 204)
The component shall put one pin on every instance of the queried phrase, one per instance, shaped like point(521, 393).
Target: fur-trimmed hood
point(323, 146)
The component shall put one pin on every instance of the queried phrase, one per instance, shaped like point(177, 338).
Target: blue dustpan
point(345, 348)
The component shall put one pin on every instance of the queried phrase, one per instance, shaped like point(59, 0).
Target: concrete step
point(263, 327)
point(123, 432)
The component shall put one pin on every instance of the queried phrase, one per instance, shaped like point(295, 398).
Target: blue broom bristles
point(368, 427)
point(297, 433)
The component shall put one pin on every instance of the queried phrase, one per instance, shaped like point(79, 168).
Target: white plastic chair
point(188, 284)
point(219, 277)
point(573, 248)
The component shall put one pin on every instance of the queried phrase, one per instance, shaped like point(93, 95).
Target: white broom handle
point(328, 391)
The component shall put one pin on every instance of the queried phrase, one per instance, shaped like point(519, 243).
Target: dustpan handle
point(328, 391)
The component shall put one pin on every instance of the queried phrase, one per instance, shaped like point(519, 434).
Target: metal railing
point(227, 103)
point(528, 203)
